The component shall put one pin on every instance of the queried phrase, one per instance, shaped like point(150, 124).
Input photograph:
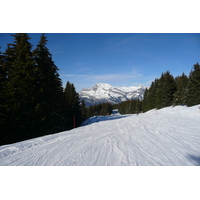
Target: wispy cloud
point(80, 67)
point(78, 63)
point(116, 79)
point(127, 40)
point(66, 75)
point(111, 77)
point(122, 40)
point(103, 78)
point(83, 69)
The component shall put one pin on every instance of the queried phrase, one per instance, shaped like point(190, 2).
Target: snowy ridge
point(103, 93)
point(169, 137)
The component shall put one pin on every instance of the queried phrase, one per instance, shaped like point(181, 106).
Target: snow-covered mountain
point(103, 93)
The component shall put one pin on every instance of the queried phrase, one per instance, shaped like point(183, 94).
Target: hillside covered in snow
point(165, 137)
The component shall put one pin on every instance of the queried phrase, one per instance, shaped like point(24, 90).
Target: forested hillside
point(130, 107)
point(32, 100)
point(167, 90)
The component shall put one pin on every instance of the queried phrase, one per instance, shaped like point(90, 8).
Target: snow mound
point(169, 137)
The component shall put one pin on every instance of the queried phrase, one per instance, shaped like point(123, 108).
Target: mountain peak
point(102, 85)
point(105, 93)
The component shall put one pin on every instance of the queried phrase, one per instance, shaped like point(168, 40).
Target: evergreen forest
point(170, 91)
point(33, 102)
point(167, 91)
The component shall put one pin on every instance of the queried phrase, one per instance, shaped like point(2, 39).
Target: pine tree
point(3, 79)
point(138, 106)
point(5, 112)
point(106, 109)
point(145, 100)
point(151, 96)
point(83, 111)
point(90, 112)
point(19, 66)
point(3, 83)
point(49, 94)
point(193, 90)
point(180, 95)
point(165, 90)
point(73, 107)
point(130, 107)
point(161, 92)
point(169, 89)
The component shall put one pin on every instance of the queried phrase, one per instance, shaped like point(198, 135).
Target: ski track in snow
point(166, 137)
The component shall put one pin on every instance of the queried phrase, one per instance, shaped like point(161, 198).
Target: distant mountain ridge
point(105, 93)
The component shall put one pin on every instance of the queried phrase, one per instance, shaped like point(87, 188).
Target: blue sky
point(119, 59)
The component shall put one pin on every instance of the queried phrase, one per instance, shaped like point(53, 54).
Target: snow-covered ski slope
point(165, 137)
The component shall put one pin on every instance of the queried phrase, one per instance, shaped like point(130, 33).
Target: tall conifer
point(49, 98)
point(73, 108)
point(193, 90)
point(180, 95)
point(83, 111)
point(3, 82)
point(19, 65)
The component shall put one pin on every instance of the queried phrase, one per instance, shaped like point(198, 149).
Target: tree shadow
point(195, 159)
point(115, 112)
point(95, 119)
point(111, 117)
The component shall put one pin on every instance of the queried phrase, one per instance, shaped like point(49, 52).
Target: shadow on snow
point(194, 159)
point(96, 119)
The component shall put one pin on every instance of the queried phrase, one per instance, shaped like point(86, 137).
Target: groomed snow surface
point(165, 137)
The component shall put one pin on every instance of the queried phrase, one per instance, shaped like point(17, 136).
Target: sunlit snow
point(169, 137)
